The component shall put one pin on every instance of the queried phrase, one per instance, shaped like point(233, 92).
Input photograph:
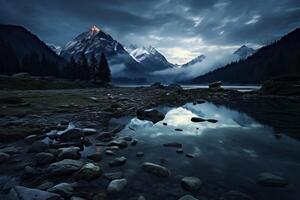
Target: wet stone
point(189, 155)
point(64, 189)
point(24, 193)
point(269, 179)
point(116, 185)
point(69, 153)
point(110, 152)
point(118, 161)
point(89, 171)
point(64, 167)
point(134, 142)
point(95, 157)
point(156, 169)
point(187, 197)
point(4, 157)
point(44, 158)
point(113, 175)
point(180, 151)
point(235, 195)
point(191, 183)
point(139, 154)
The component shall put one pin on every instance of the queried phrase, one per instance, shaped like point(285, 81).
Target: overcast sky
point(180, 29)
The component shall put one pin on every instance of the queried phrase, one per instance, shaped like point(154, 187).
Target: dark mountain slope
point(25, 43)
point(279, 58)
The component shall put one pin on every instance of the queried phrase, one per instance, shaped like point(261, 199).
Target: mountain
point(151, 59)
point(95, 41)
point(198, 59)
point(24, 43)
point(243, 52)
point(279, 58)
point(55, 48)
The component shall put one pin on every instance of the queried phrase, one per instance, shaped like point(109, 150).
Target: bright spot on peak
point(95, 29)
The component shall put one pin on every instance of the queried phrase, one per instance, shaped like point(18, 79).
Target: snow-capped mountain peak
point(243, 52)
point(152, 59)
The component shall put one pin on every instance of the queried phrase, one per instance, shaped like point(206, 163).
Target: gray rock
point(31, 138)
point(156, 169)
point(4, 157)
point(89, 131)
point(74, 134)
point(10, 150)
point(89, 171)
point(77, 198)
point(187, 197)
point(45, 186)
point(97, 156)
point(64, 189)
point(134, 142)
point(118, 161)
point(119, 143)
point(139, 154)
point(116, 185)
point(141, 197)
point(191, 183)
point(150, 115)
point(179, 150)
point(24, 193)
point(269, 179)
point(110, 152)
point(113, 175)
point(44, 158)
point(235, 195)
point(63, 167)
point(69, 153)
point(37, 147)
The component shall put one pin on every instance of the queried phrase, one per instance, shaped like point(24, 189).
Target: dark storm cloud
point(219, 22)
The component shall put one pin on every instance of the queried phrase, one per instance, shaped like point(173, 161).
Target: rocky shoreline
point(44, 133)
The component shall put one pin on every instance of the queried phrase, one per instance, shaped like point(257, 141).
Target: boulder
point(74, 134)
point(191, 183)
point(24, 193)
point(150, 115)
point(156, 169)
point(187, 197)
point(64, 189)
point(4, 157)
point(269, 179)
point(116, 185)
point(69, 153)
point(117, 161)
point(89, 172)
point(38, 147)
point(44, 158)
point(97, 156)
point(119, 143)
point(89, 131)
point(113, 175)
point(64, 167)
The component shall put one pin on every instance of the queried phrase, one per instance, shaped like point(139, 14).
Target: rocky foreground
point(38, 163)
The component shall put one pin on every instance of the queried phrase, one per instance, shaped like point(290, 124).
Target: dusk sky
point(180, 29)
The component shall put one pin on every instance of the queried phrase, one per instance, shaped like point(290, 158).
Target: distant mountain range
point(137, 64)
point(25, 43)
point(279, 58)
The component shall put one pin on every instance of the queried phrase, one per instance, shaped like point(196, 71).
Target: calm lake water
point(228, 155)
point(241, 88)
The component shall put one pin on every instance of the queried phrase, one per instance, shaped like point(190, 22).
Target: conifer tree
point(103, 73)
